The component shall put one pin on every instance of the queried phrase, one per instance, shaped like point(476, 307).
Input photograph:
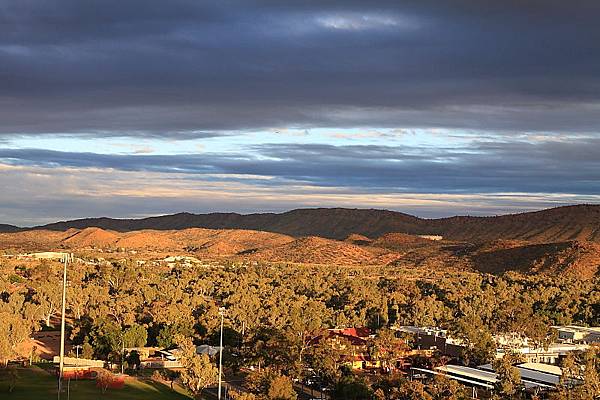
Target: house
point(356, 348)
point(352, 344)
point(208, 350)
point(162, 359)
point(143, 352)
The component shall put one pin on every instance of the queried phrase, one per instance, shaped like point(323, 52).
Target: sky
point(434, 108)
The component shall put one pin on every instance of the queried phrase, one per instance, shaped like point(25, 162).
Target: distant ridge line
point(576, 222)
point(9, 228)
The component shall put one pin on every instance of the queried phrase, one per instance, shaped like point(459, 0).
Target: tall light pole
point(61, 363)
point(222, 312)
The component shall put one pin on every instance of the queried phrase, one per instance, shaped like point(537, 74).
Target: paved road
point(212, 392)
point(307, 393)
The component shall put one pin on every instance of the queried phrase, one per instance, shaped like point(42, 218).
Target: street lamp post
point(122, 352)
point(61, 363)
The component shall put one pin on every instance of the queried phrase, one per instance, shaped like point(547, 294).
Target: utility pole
point(62, 325)
point(222, 312)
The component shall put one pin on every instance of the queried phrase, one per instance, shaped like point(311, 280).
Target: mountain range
point(559, 241)
point(580, 222)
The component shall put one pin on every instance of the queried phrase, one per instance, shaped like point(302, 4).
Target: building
point(438, 339)
point(211, 351)
point(550, 355)
point(540, 367)
point(48, 255)
point(78, 368)
point(353, 344)
point(431, 237)
point(537, 373)
point(186, 261)
point(431, 338)
point(484, 377)
point(578, 334)
point(161, 359)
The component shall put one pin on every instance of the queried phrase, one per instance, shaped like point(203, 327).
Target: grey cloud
point(148, 67)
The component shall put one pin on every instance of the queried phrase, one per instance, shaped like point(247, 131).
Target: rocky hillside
point(195, 240)
point(204, 243)
point(576, 258)
point(553, 225)
point(316, 250)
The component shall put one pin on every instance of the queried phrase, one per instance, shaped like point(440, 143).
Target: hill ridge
point(574, 222)
point(9, 228)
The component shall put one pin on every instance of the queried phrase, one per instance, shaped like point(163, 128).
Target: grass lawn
point(35, 383)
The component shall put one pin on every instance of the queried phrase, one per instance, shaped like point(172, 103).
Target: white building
point(578, 334)
point(436, 338)
point(49, 255)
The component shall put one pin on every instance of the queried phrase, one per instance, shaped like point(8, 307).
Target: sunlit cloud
point(359, 22)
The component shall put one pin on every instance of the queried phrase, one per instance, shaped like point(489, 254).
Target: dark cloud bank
point(150, 67)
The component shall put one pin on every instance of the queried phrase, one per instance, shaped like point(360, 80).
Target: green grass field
point(35, 383)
